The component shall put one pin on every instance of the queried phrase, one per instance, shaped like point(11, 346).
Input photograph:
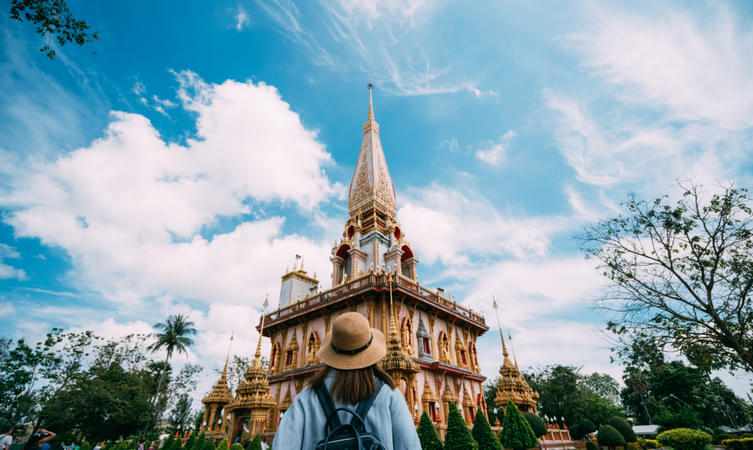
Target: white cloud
point(129, 208)
point(7, 308)
point(450, 144)
point(241, 18)
point(468, 226)
point(494, 152)
point(697, 66)
point(6, 270)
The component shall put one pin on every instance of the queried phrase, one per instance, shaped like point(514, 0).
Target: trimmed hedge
point(648, 443)
point(516, 431)
point(591, 446)
point(255, 443)
point(427, 434)
point(608, 436)
point(684, 439)
point(537, 424)
point(738, 444)
point(624, 428)
point(458, 436)
point(483, 434)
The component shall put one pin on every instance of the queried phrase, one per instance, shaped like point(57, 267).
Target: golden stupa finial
point(499, 325)
point(261, 328)
point(227, 357)
point(393, 327)
point(370, 118)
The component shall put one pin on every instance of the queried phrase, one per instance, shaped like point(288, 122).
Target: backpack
point(353, 435)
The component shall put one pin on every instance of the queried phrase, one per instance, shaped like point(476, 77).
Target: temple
point(431, 340)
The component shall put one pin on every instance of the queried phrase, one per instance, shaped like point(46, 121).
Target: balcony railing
point(374, 279)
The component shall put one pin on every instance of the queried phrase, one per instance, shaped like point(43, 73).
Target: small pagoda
point(511, 384)
point(215, 415)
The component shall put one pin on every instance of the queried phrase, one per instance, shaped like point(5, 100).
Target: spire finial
point(499, 325)
point(371, 105)
point(261, 328)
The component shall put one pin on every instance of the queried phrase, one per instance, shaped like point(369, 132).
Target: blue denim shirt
point(302, 425)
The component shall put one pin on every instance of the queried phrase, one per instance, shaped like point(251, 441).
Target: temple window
point(312, 347)
point(288, 357)
point(427, 345)
point(462, 357)
point(433, 412)
point(472, 413)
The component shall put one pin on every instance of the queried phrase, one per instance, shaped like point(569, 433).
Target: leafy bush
point(427, 434)
point(591, 446)
point(458, 437)
point(537, 424)
point(516, 432)
point(224, 444)
point(738, 444)
point(609, 437)
point(684, 439)
point(632, 446)
point(482, 433)
point(624, 428)
point(236, 446)
point(85, 446)
point(255, 443)
point(581, 429)
point(648, 443)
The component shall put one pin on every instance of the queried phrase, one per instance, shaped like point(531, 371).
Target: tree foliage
point(427, 434)
point(458, 437)
point(681, 274)
point(565, 392)
point(482, 433)
point(582, 429)
point(52, 18)
point(608, 436)
point(516, 432)
point(624, 428)
point(537, 424)
point(255, 443)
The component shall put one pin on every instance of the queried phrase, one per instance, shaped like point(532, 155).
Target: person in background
point(151, 446)
point(39, 440)
point(6, 439)
point(97, 446)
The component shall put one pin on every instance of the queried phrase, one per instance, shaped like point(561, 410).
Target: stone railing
point(374, 279)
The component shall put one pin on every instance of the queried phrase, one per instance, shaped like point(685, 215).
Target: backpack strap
point(364, 406)
point(329, 408)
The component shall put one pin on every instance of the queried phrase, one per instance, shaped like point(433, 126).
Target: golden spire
point(227, 357)
point(370, 117)
point(396, 361)
point(371, 192)
point(499, 326)
point(261, 329)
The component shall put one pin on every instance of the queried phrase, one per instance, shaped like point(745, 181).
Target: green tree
point(52, 18)
point(565, 392)
point(681, 274)
point(180, 416)
point(223, 445)
point(427, 434)
point(516, 432)
point(236, 446)
point(482, 433)
point(582, 429)
point(609, 437)
point(255, 443)
point(537, 424)
point(624, 428)
point(173, 335)
point(458, 437)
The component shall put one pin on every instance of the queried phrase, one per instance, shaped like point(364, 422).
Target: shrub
point(224, 444)
point(581, 429)
point(591, 446)
point(537, 424)
point(427, 434)
point(624, 428)
point(482, 433)
point(209, 444)
point(738, 444)
point(85, 446)
point(684, 439)
point(177, 444)
point(516, 432)
point(236, 446)
point(609, 437)
point(458, 436)
point(647, 443)
point(632, 446)
point(255, 443)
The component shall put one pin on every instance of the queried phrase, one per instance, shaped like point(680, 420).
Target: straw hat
point(352, 344)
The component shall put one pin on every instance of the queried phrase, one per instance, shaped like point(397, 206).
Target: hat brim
point(368, 357)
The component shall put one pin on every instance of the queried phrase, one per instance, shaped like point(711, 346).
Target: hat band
point(354, 351)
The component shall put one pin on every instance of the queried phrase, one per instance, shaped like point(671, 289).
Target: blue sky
point(182, 166)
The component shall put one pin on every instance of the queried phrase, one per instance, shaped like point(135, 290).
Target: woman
point(39, 440)
point(350, 354)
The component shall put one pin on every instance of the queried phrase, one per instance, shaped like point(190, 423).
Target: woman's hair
point(353, 386)
point(33, 441)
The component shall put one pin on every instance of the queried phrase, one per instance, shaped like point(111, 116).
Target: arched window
point(312, 348)
point(342, 272)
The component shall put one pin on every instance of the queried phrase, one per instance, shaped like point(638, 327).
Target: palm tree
point(173, 335)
